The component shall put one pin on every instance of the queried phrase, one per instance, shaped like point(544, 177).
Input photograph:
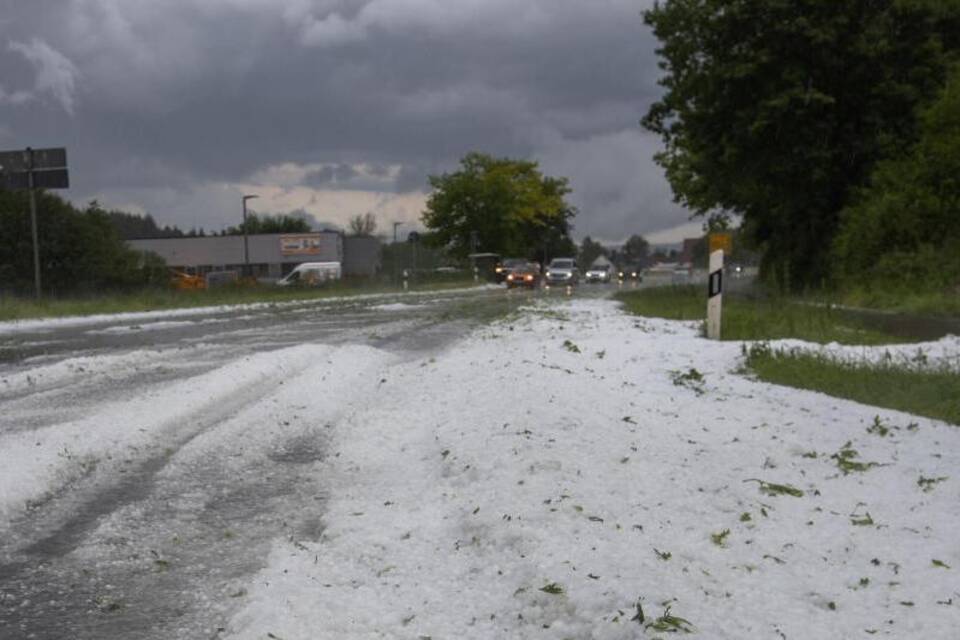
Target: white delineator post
point(714, 294)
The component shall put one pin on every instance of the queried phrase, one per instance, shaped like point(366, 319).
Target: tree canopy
point(779, 110)
point(257, 223)
point(80, 250)
point(905, 227)
point(590, 250)
point(363, 224)
point(502, 206)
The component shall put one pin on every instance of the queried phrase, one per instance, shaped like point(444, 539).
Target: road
point(157, 539)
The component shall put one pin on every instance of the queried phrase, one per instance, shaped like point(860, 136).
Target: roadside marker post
point(715, 294)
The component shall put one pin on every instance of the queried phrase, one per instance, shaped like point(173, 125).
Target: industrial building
point(271, 255)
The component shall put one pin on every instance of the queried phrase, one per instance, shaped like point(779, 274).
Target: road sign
point(19, 161)
point(32, 169)
point(721, 241)
point(46, 179)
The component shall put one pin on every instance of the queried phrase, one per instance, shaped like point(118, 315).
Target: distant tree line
point(830, 128)
point(80, 249)
point(132, 226)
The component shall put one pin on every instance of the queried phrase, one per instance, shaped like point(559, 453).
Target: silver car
point(562, 271)
point(599, 273)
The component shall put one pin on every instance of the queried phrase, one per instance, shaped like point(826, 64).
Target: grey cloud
point(330, 175)
point(182, 96)
point(54, 75)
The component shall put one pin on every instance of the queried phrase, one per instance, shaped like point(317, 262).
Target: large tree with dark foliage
point(80, 250)
point(904, 229)
point(502, 206)
point(778, 110)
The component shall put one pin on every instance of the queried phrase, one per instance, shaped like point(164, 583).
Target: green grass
point(755, 319)
point(17, 308)
point(934, 393)
point(936, 303)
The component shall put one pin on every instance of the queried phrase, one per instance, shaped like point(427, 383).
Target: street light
point(246, 242)
point(395, 250)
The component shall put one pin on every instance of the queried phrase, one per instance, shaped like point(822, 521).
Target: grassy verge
point(15, 308)
point(750, 319)
point(932, 393)
point(901, 301)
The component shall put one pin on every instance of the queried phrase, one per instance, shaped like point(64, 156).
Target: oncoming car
point(599, 273)
point(505, 268)
point(630, 272)
point(562, 271)
point(525, 276)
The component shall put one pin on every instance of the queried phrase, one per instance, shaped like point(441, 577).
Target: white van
point(311, 274)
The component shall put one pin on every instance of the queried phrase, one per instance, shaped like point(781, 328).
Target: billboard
point(300, 244)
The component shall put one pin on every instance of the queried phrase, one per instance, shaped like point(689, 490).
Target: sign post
point(33, 169)
point(715, 294)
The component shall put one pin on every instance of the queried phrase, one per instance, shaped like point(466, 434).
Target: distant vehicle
point(311, 274)
point(681, 275)
point(221, 278)
point(505, 268)
point(599, 273)
point(186, 281)
point(562, 271)
point(526, 275)
point(630, 272)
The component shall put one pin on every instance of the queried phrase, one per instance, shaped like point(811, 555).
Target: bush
point(904, 231)
point(80, 250)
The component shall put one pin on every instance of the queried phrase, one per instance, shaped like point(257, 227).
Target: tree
point(80, 250)
point(502, 206)
point(590, 250)
point(130, 226)
point(779, 109)
point(636, 250)
point(905, 227)
point(363, 224)
point(282, 223)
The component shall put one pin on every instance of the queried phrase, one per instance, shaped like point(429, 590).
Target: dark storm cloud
point(168, 97)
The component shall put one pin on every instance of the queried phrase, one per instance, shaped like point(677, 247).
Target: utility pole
point(246, 241)
point(396, 252)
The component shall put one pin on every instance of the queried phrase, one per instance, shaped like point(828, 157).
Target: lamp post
point(396, 251)
point(246, 242)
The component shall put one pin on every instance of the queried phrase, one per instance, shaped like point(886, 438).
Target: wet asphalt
point(184, 545)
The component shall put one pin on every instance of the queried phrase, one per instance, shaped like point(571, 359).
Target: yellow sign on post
point(721, 241)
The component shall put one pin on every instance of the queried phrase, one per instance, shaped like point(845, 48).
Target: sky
point(336, 107)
